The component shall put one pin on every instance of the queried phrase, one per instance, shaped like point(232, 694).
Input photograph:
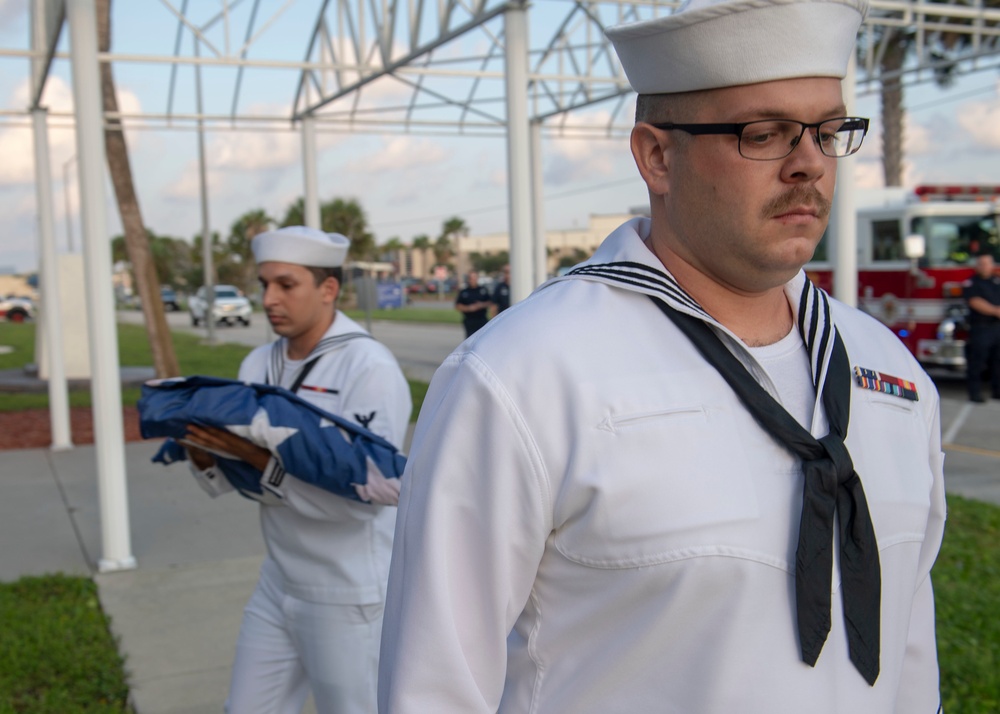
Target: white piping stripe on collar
point(276, 365)
point(816, 326)
point(642, 276)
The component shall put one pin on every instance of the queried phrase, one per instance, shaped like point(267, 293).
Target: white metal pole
point(105, 371)
point(208, 265)
point(311, 207)
point(50, 307)
point(518, 151)
point(844, 228)
point(66, 194)
point(538, 206)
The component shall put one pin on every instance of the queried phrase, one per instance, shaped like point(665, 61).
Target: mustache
point(799, 196)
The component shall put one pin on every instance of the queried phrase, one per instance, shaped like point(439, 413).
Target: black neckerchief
point(830, 487)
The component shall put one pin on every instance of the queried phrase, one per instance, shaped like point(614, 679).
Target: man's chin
point(280, 328)
point(799, 250)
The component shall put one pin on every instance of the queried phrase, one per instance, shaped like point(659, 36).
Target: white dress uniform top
point(322, 547)
point(323, 580)
point(593, 523)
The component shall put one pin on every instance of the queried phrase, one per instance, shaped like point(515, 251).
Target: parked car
point(169, 297)
point(230, 306)
point(412, 286)
point(16, 309)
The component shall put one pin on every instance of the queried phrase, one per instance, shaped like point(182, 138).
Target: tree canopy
point(179, 262)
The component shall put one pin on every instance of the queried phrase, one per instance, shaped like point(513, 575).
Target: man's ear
point(652, 150)
point(331, 289)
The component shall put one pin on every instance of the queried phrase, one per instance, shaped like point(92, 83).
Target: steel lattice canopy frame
point(438, 67)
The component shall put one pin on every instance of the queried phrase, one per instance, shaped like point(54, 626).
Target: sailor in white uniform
point(314, 620)
point(702, 486)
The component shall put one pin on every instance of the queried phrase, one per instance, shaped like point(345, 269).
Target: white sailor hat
point(708, 44)
point(301, 245)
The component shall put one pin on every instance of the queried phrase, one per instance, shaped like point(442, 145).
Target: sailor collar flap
point(623, 261)
point(333, 340)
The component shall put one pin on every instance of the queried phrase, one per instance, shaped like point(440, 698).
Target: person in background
point(314, 620)
point(982, 351)
point(473, 301)
point(682, 478)
point(501, 293)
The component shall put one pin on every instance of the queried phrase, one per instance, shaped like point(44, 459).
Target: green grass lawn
point(447, 316)
point(967, 592)
point(57, 655)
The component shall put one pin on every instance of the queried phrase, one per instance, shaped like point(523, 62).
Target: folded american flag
point(317, 447)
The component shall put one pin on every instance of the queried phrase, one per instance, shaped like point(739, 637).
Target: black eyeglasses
point(771, 139)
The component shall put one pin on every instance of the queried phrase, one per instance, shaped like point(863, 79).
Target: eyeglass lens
point(777, 138)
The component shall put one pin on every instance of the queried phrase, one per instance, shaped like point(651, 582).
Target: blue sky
point(408, 184)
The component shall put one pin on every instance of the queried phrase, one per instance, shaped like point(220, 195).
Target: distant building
point(565, 246)
point(17, 285)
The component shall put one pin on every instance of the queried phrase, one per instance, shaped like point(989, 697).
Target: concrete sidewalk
point(177, 615)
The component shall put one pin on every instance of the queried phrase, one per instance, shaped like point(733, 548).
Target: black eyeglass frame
point(737, 130)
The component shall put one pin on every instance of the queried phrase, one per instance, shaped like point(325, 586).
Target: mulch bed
point(31, 428)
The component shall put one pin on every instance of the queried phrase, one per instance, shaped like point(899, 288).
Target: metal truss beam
point(411, 64)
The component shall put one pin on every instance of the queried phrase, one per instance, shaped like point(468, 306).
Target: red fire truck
point(920, 298)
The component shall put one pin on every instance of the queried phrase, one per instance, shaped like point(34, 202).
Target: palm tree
point(451, 230)
point(893, 46)
point(392, 250)
point(136, 239)
point(422, 243)
point(241, 234)
point(344, 216)
point(295, 214)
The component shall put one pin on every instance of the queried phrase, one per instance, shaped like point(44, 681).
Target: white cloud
point(575, 159)
point(245, 151)
point(17, 142)
point(19, 238)
point(982, 122)
point(18, 165)
point(583, 158)
point(11, 10)
point(918, 139)
point(868, 174)
point(57, 97)
point(242, 163)
point(187, 185)
point(254, 150)
point(401, 153)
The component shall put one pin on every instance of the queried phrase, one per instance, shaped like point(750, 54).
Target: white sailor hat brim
point(707, 44)
point(301, 245)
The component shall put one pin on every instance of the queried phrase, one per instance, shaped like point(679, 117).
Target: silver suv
point(230, 306)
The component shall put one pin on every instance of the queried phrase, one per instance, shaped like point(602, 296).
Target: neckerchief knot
point(839, 459)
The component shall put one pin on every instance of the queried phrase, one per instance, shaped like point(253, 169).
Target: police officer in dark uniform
point(473, 301)
point(983, 348)
point(501, 293)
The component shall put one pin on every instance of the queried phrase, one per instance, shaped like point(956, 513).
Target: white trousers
point(288, 647)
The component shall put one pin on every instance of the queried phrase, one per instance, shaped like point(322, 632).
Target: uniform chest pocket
point(657, 483)
point(890, 445)
point(328, 399)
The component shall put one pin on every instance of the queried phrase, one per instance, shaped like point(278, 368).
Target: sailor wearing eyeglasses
point(699, 485)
